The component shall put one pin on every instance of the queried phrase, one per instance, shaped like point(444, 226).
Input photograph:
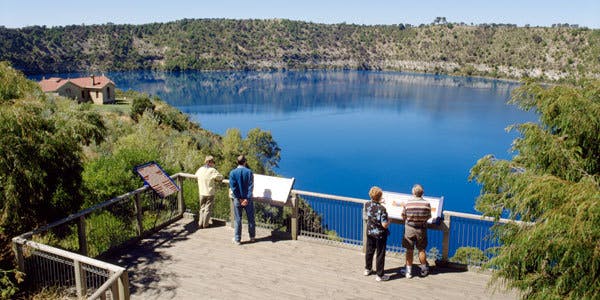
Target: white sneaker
point(382, 278)
point(408, 274)
point(235, 242)
point(367, 272)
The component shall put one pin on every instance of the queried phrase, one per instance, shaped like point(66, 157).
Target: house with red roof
point(96, 89)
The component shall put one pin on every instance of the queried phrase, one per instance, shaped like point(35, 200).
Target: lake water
point(342, 132)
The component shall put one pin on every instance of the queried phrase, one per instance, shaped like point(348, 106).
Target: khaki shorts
point(414, 236)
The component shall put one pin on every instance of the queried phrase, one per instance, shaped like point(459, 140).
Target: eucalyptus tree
point(552, 183)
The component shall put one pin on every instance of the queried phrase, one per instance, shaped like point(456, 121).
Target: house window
point(96, 94)
point(82, 95)
point(108, 92)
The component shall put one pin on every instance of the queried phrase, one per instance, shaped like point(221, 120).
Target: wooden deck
point(184, 262)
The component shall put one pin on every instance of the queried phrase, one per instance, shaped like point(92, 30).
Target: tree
point(259, 147)
point(232, 147)
point(552, 183)
point(14, 85)
point(40, 158)
point(263, 151)
point(439, 20)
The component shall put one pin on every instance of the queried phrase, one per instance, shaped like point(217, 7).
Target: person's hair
point(241, 159)
point(417, 190)
point(375, 193)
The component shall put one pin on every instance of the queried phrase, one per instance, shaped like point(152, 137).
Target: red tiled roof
point(52, 84)
point(91, 82)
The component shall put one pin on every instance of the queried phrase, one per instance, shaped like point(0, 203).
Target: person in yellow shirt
point(208, 177)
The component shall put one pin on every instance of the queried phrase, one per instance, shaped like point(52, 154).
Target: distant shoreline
point(499, 51)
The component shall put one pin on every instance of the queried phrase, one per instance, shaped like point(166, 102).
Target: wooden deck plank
point(182, 262)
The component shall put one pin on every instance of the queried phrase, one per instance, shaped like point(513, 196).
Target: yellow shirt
point(207, 176)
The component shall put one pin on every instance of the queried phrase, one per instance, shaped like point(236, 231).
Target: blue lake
point(342, 132)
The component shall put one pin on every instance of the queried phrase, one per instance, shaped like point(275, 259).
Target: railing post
point(17, 244)
point(83, 249)
point(124, 286)
point(138, 214)
point(294, 219)
point(180, 200)
point(80, 280)
point(114, 290)
point(364, 231)
point(446, 238)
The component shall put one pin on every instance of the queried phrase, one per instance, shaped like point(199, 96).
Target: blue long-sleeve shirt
point(241, 182)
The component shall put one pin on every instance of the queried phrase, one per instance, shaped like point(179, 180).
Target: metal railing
point(50, 266)
point(47, 255)
point(337, 219)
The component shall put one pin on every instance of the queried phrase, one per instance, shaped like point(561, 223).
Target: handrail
point(78, 259)
point(103, 288)
point(83, 212)
point(334, 197)
point(71, 255)
point(119, 273)
point(484, 218)
point(186, 175)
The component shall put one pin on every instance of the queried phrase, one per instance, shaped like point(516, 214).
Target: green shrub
point(139, 105)
point(104, 230)
point(469, 256)
point(8, 283)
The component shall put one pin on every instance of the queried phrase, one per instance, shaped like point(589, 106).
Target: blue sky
point(20, 13)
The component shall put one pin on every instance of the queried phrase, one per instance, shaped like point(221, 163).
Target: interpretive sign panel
point(272, 189)
point(157, 179)
point(393, 204)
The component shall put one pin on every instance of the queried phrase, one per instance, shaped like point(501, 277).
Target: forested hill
point(215, 44)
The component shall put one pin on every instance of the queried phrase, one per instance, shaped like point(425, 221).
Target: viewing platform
point(142, 246)
point(184, 262)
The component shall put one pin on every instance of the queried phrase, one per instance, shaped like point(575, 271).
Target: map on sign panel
point(393, 204)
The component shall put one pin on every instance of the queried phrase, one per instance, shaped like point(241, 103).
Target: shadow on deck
point(184, 262)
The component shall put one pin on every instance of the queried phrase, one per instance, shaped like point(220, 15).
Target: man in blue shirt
point(241, 183)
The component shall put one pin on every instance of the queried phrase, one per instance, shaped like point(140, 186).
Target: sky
point(21, 13)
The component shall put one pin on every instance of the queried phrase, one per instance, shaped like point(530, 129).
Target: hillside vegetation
point(504, 51)
point(58, 157)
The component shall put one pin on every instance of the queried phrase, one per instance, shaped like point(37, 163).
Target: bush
point(104, 230)
point(140, 105)
point(8, 283)
point(469, 256)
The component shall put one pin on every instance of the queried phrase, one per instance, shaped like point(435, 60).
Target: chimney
point(93, 82)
